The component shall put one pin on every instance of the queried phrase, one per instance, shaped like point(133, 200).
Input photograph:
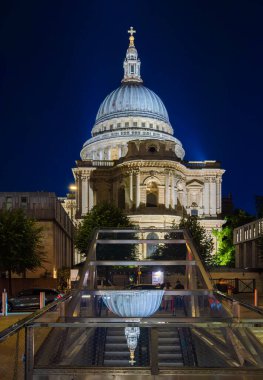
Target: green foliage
point(202, 241)
point(101, 216)
point(20, 243)
point(63, 278)
point(225, 255)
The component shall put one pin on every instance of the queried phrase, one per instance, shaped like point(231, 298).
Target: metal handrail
point(30, 318)
point(247, 305)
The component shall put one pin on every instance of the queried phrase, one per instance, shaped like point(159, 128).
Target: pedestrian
point(179, 299)
point(168, 299)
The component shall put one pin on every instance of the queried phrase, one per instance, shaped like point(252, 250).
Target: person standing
point(179, 299)
point(168, 299)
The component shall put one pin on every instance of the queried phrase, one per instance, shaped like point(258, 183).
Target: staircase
point(116, 353)
point(169, 348)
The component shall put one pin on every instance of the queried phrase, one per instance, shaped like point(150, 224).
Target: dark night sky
point(59, 59)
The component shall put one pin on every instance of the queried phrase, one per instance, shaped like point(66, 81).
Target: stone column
point(184, 200)
point(206, 197)
point(167, 193)
point(119, 151)
point(138, 190)
point(79, 193)
point(218, 197)
point(175, 194)
point(131, 186)
point(84, 195)
point(172, 192)
point(91, 196)
point(201, 204)
point(213, 196)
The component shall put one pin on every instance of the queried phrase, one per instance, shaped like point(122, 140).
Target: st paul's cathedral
point(134, 161)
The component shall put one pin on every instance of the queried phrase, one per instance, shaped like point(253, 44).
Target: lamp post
point(72, 197)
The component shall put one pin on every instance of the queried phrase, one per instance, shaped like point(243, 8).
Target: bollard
point(236, 309)
point(4, 303)
point(256, 297)
point(62, 309)
point(42, 300)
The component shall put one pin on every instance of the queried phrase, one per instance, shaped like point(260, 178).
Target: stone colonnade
point(172, 188)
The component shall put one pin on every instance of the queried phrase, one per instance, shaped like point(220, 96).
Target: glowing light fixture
point(133, 303)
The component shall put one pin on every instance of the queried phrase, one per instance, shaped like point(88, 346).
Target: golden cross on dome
point(131, 31)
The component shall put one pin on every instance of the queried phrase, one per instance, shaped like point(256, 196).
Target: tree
point(63, 278)
point(225, 254)
point(20, 243)
point(203, 242)
point(105, 215)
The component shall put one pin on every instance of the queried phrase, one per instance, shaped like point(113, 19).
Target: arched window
point(121, 198)
point(151, 195)
point(151, 248)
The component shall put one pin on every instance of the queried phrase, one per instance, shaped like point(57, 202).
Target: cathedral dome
point(132, 99)
point(131, 112)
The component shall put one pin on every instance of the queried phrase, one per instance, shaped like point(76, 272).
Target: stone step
point(169, 348)
point(170, 364)
point(116, 363)
point(116, 355)
point(170, 341)
point(168, 333)
point(115, 332)
point(172, 355)
point(112, 346)
point(116, 338)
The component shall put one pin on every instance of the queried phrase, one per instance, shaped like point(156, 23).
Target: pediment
point(195, 183)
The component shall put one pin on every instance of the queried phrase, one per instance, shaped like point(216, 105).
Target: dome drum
point(132, 123)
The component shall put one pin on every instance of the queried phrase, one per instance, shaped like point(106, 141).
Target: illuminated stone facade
point(133, 161)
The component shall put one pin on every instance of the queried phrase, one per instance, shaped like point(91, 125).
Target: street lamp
point(72, 196)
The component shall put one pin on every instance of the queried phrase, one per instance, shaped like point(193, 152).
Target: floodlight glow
point(72, 187)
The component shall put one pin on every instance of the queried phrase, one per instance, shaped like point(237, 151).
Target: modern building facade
point(247, 252)
point(57, 227)
point(134, 161)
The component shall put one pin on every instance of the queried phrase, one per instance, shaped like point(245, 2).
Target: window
point(151, 195)
point(121, 198)
point(152, 149)
point(194, 212)
point(23, 202)
point(118, 125)
point(151, 125)
point(143, 125)
point(8, 203)
point(126, 125)
point(135, 123)
point(111, 127)
point(132, 69)
point(157, 127)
